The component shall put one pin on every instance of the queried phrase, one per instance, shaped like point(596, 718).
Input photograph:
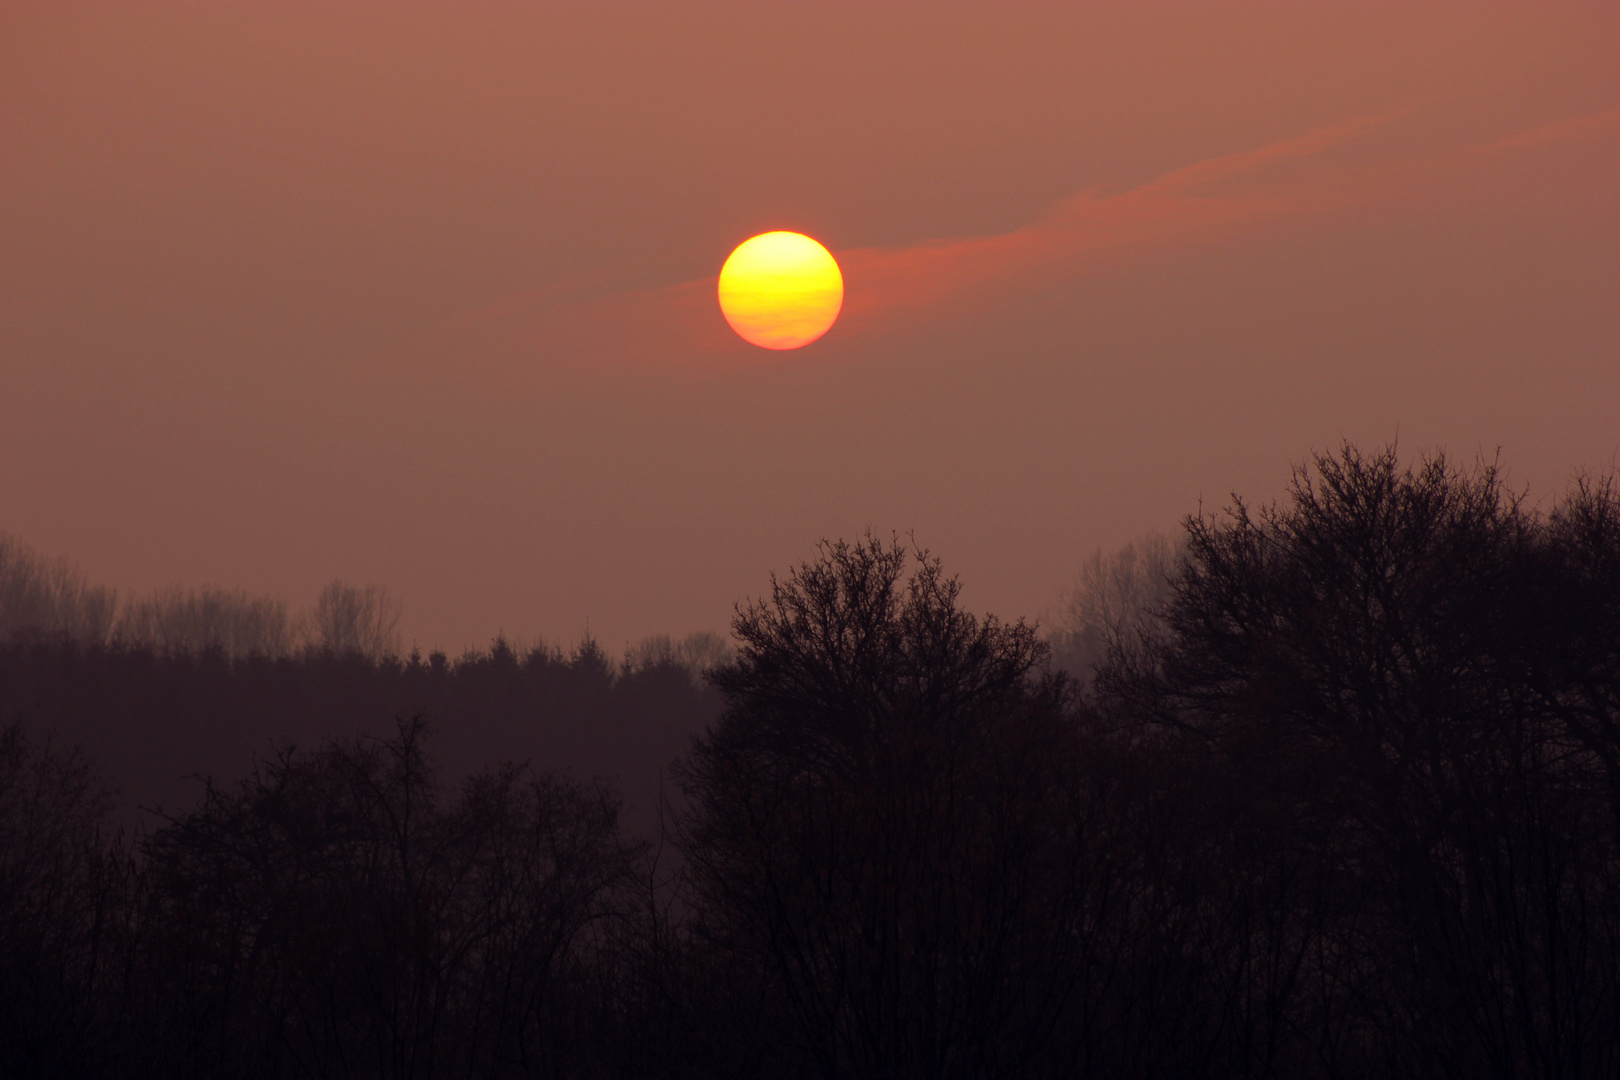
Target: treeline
point(51, 601)
point(162, 689)
point(153, 722)
point(1345, 803)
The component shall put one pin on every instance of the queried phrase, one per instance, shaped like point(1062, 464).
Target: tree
point(1115, 598)
point(45, 599)
point(349, 619)
point(335, 914)
point(230, 621)
point(1367, 664)
point(1571, 636)
point(61, 889)
point(696, 653)
point(881, 838)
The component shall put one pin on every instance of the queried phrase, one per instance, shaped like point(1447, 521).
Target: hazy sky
point(422, 294)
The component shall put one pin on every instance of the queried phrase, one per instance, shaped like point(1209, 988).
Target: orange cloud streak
point(1174, 209)
point(1575, 127)
point(1197, 204)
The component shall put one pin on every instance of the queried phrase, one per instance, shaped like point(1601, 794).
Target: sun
point(781, 290)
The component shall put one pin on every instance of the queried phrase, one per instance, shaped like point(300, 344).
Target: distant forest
point(1328, 787)
point(163, 690)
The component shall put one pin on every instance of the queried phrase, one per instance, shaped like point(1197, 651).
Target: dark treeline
point(1343, 800)
point(161, 689)
point(153, 721)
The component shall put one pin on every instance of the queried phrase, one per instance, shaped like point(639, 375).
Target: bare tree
point(336, 914)
point(698, 653)
point(231, 621)
point(1116, 599)
point(879, 836)
point(50, 598)
point(351, 619)
point(1367, 666)
point(59, 883)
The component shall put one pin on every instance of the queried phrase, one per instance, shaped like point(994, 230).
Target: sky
point(422, 294)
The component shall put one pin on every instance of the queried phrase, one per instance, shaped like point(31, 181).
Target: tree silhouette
point(1343, 801)
point(50, 600)
point(350, 619)
point(1362, 663)
point(230, 621)
point(335, 915)
point(880, 833)
point(61, 891)
point(1115, 598)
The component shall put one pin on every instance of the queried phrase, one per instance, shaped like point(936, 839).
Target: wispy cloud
point(1201, 203)
point(1559, 131)
point(1191, 205)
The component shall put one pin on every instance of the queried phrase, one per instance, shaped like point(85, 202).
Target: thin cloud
point(1560, 131)
point(886, 288)
point(1182, 207)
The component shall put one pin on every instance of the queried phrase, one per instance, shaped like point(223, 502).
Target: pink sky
point(423, 294)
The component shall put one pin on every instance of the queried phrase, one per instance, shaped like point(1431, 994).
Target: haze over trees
point(1341, 798)
point(51, 600)
point(164, 688)
point(1116, 598)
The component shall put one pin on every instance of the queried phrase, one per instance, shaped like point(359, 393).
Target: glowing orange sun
point(781, 290)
